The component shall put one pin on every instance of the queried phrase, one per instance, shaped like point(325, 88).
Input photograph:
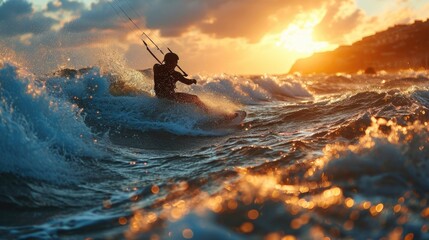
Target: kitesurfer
point(165, 78)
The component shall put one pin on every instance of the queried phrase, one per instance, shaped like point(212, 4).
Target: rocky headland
point(399, 47)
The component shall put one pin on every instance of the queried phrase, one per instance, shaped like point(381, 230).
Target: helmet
point(171, 57)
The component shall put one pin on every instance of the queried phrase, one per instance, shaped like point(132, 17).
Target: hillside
point(399, 47)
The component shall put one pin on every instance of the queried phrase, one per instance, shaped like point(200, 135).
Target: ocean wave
point(349, 115)
point(373, 183)
point(253, 90)
point(42, 136)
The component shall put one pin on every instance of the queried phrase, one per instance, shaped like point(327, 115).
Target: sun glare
point(298, 37)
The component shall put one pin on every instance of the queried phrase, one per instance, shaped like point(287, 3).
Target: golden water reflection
point(310, 206)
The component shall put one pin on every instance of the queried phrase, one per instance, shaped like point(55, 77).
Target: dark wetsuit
point(165, 84)
point(165, 81)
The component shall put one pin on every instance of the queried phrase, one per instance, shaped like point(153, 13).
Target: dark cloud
point(65, 5)
point(14, 9)
point(101, 16)
point(17, 18)
point(173, 18)
point(249, 19)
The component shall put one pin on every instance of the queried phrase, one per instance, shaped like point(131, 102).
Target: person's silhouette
point(165, 78)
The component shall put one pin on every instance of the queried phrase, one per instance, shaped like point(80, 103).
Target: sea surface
point(94, 155)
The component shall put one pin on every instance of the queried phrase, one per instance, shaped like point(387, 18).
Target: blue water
point(97, 156)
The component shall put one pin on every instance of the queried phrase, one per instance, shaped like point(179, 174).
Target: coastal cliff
point(399, 47)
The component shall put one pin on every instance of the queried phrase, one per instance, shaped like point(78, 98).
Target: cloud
point(17, 17)
point(238, 19)
point(14, 8)
point(237, 31)
point(173, 18)
point(66, 5)
point(100, 16)
point(341, 18)
point(251, 19)
point(247, 19)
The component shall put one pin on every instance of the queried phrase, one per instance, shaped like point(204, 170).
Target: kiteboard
point(229, 120)
point(235, 118)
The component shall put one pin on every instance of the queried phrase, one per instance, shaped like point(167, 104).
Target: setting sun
point(298, 37)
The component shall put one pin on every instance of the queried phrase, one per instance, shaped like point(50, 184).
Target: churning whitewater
point(94, 154)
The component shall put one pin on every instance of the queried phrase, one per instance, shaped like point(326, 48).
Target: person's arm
point(184, 80)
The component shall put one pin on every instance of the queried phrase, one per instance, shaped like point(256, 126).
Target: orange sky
point(211, 36)
point(282, 32)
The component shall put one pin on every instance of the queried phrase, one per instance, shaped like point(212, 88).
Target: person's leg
point(189, 98)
